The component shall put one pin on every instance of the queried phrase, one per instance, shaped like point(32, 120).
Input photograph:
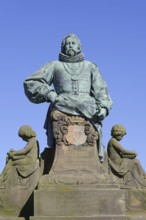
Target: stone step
point(137, 216)
point(11, 218)
point(114, 217)
point(78, 201)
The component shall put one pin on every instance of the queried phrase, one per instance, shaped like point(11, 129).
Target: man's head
point(71, 45)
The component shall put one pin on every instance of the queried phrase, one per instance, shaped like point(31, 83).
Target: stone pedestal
point(77, 187)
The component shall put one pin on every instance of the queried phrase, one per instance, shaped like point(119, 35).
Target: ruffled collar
point(78, 58)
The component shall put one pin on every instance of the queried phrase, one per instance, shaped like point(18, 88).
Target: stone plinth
point(76, 159)
point(77, 187)
point(76, 165)
point(78, 201)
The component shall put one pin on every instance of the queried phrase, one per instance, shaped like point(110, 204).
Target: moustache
point(71, 52)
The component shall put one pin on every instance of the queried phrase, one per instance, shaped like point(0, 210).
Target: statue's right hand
point(51, 96)
point(59, 98)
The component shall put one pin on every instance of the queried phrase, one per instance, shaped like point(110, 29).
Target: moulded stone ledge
point(114, 217)
point(11, 218)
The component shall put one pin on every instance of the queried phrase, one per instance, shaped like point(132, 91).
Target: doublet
point(78, 88)
point(74, 82)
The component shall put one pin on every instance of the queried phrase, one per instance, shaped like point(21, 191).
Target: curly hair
point(118, 130)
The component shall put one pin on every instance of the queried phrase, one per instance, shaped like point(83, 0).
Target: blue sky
point(113, 35)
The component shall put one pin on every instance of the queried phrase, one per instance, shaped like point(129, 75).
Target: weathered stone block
point(76, 160)
point(78, 201)
point(135, 199)
point(137, 216)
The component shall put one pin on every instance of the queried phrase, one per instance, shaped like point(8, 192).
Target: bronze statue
point(79, 88)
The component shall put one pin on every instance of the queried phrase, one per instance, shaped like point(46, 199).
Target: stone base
point(137, 217)
point(11, 218)
point(77, 187)
point(77, 201)
point(106, 217)
point(82, 218)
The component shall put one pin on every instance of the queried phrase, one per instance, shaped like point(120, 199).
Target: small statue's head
point(71, 45)
point(26, 132)
point(118, 131)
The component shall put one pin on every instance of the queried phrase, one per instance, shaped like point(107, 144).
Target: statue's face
point(71, 46)
point(119, 137)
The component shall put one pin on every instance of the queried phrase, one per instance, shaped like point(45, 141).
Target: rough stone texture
point(123, 163)
point(137, 216)
point(14, 199)
point(77, 166)
point(78, 201)
point(20, 176)
point(128, 171)
point(135, 199)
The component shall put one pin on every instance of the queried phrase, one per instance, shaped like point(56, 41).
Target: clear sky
point(113, 35)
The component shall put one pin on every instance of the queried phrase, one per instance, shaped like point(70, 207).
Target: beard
point(71, 52)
